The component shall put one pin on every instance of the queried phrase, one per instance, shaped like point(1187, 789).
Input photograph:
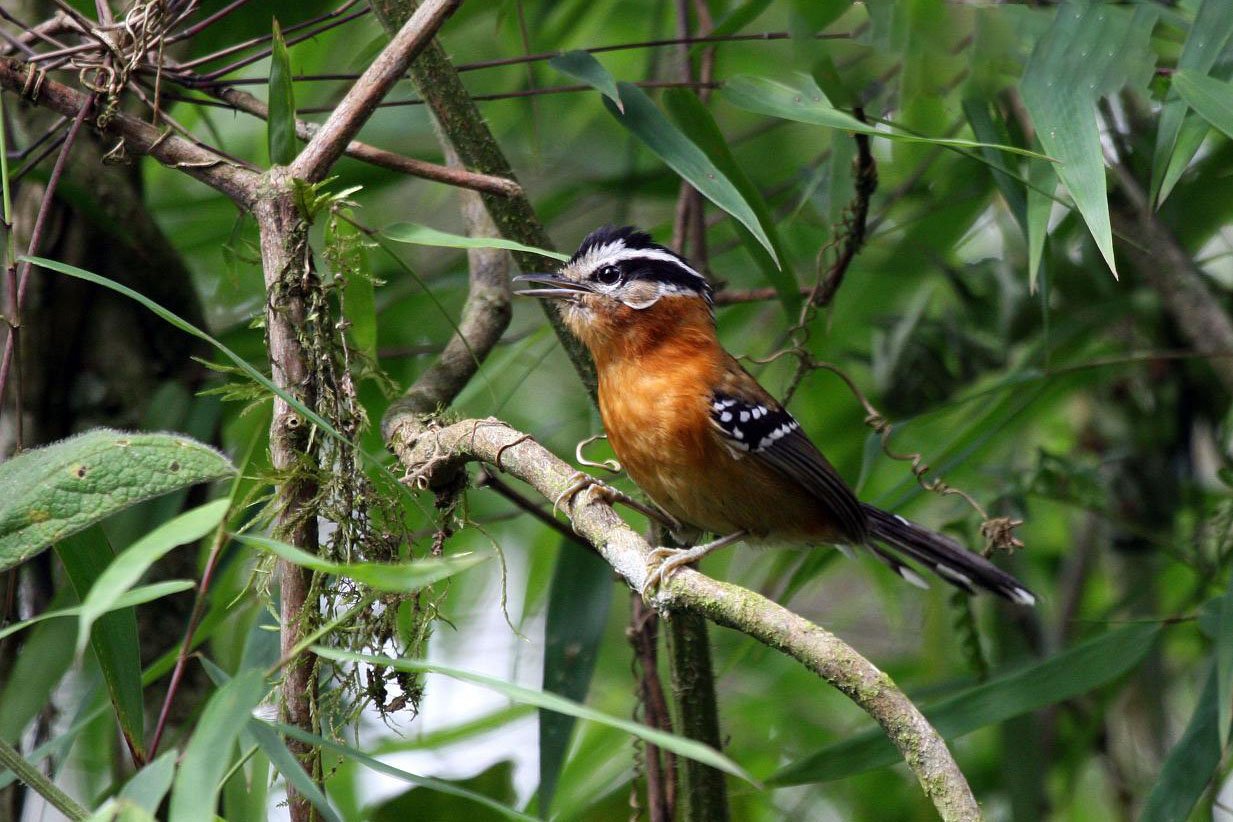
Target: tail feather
point(943, 556)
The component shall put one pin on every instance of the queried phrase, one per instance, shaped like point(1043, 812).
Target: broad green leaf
point(976, 110)
point(583, 66)
point(372, 763)
point(208, 754)
point(692, 117)
point(291, 769)
point(397, 578)
point(280, 127)
point(671, 742)
point(1075, 671)
point(648, 124)
point(48, 493)
point(1090, 50)
point(577, 613)
point(806, 103)
point(132, 563)
point(1212, 27)
point(149, 785)
point(1191, 763)
point(136, 596)
point(114, 636)
point(416, 234)
point(1212, 99)
point(346, 250)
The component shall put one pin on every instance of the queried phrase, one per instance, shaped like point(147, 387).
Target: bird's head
point(619, 282)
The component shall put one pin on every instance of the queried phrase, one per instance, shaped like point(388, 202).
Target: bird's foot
point(598, 489)
point(664, 562)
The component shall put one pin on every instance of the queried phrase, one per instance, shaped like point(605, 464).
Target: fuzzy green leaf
point(48, 493)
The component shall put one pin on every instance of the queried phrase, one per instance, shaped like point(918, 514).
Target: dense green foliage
point(1021, 152)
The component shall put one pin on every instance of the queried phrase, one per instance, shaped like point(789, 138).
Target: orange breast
point(656, 409)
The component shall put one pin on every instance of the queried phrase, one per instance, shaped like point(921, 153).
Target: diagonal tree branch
point(137, 137)
point(433, 455)
point(329, 143)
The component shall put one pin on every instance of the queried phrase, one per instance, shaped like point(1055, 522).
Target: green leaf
point(1209, 97)
point(583, 66)
point(1043, 181)
point(137, 596)
point(133, 562)
point(1191, 763)
point(280, 127)
point(1089, 51)
point(577, 613)
point(396, 578)
point(417, 234)
point(149, 785)
point(113, 638)
point(696, 122)
point(377, 765)
point(48, 493)
point(671, 742)
point(648, 124)
point(46, 655)
point(806, 103)
point(496, 781)
point(1175, 145)
point(1075, 671)
point(208, 755)
point(291, 769)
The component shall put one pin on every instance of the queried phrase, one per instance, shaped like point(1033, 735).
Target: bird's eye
point(608, 275)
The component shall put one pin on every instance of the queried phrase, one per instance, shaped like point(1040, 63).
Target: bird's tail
point(942, 555)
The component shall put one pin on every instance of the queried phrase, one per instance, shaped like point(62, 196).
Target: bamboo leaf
point(1176, 138)
point(696, 122)
point(136, 596)
point(1075, 671)
point(1224, 665)
point(666, 141)
point(1212, 99)
point(805, 102)
point(148, 786)
point(417, 234)
point(577, 613)
point(583, 66)
point(1191, 763)
point(113, 638)
point(208, 754)
point(291, 769)
point(347, 252)
point(132, 563)
point(672, 742)
point(49, 493)
point(397, 578)
point(280, 127)
point(1089, 51)
point(372, 763)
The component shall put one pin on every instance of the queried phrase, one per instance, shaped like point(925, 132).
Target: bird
point(710, 447)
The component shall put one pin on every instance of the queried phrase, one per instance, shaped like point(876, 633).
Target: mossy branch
point(433, 455)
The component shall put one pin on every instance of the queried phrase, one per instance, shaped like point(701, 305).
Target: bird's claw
point(598, 489)
point(663, 562)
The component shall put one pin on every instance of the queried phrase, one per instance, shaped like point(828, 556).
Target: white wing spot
point(725, 416)
point(744, 416)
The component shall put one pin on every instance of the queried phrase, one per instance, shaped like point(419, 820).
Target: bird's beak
point(558, 287)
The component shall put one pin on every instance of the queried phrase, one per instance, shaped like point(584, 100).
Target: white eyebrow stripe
point(616, 252)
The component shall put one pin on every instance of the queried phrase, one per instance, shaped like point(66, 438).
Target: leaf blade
point(49, 493)
point(416, 234)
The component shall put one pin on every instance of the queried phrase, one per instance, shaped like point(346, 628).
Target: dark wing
point(755, 425)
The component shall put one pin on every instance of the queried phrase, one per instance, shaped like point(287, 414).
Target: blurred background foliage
point(1083, 405)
